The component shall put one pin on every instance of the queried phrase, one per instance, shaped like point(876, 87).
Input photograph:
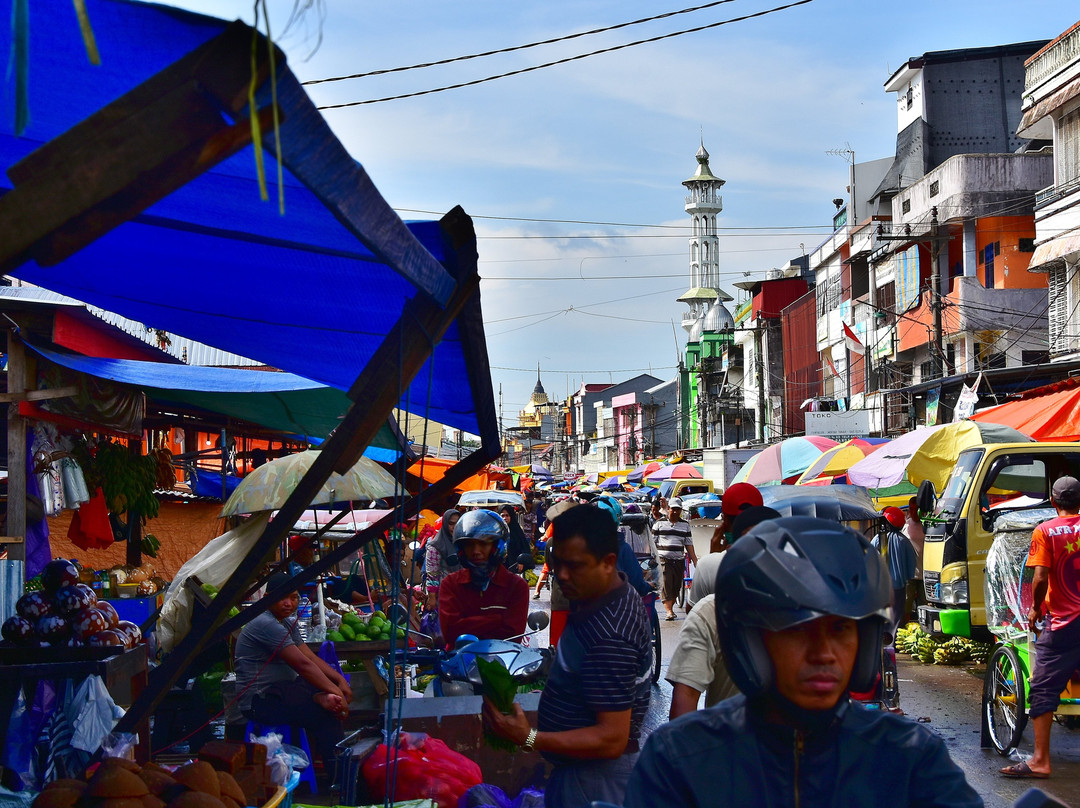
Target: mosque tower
point(703, 203)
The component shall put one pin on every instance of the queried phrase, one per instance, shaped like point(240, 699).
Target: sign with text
point(839, 425)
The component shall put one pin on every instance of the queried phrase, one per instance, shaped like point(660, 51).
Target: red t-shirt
point(499, 612)
point(1056, 546)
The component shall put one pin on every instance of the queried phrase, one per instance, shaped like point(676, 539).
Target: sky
point(573, 172)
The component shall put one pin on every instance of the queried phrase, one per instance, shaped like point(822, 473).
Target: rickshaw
point(853, 506)
point(1006, 695)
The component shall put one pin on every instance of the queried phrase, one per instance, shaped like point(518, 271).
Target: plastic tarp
point(432, 469)
point(314, 291)
point(1054, 415)
point(281, 401)
point(1008, 578)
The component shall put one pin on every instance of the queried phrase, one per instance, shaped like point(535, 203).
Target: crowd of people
point(784, 620)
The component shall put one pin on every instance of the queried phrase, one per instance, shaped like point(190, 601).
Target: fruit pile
point(121, 783)
point(67, 613)
point(354, 629)
point(911, 639)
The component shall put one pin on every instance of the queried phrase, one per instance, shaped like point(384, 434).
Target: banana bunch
point(980, 651)
point(907, 638)
point(128, 480)
point(953, 651)
point(924, 649)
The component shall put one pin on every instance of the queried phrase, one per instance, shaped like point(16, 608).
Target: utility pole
point(502, 438)
point(759, 370)
point(938, 357)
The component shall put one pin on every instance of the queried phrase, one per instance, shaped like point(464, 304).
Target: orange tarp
point(431, 470)
point(1047, 413)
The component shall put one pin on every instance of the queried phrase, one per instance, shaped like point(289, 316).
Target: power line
point(512, 48)
point(566, 60)
point(683, 227)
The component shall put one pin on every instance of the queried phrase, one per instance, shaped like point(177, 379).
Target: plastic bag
point(484, 795)
point(213, 564)
point(426, 767)
point(529, 797)
point(96, 715)
point(281, 758)
point(24, 729)
point(328, 654)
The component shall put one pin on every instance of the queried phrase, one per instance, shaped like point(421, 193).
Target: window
point(1067, 149)
point(1026, 245)
point(988, 262)
point(1034, 357)
point(905, 206)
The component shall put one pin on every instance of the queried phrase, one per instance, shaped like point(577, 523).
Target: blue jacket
point(727, 755)
point(627, 563)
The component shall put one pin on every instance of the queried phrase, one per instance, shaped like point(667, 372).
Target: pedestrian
point(900, 557)
point(656, 513)
point(590, 712)
point(1055, 617)
point(518, 544)
point(674, 543)
point(440, 557)
point(735, 500)
point(799, 606)
point(697, 664)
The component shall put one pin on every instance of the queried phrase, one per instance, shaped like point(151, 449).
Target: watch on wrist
point(530, 741)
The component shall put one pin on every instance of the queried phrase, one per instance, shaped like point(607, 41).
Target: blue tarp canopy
point(313, 292)
point(279, 401)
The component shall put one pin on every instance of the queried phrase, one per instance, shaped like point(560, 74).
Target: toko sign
point(839, 425)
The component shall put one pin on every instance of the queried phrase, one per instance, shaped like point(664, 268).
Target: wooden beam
point(131, 153)
point(40, 395)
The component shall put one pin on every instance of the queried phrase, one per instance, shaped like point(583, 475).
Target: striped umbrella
point(783, 462)
point(836, 461)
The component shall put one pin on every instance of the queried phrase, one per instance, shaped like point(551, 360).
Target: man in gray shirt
point(282, 681)
point(674, 543)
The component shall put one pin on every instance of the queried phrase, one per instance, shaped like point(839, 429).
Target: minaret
point(703, 203)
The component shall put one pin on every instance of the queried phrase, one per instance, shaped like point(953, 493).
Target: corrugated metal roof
point(186, 350)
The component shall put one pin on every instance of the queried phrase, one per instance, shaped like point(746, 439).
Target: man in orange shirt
point(1055, 555)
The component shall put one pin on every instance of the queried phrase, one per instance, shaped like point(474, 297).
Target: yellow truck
point(987, 481)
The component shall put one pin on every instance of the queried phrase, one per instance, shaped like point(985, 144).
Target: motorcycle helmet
point(785, 572)
point(481, 525)
point(608, 503)
point(894, 516)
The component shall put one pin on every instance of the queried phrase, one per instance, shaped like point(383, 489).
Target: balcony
point(1055, 57)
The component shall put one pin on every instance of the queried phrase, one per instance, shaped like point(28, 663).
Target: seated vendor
point(282, 681)
point(483, 598)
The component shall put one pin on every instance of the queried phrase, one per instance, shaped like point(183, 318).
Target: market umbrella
point(784, 461)
point(888, 465)
point(539, 472)
point(836, 461)
point(640, 472)
point(842, 503)
point(678, 471)
point(267, 487)
point(935, 458)
point(613, 483)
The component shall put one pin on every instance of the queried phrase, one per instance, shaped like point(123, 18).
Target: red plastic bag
point(90, 527)
point(426, 769)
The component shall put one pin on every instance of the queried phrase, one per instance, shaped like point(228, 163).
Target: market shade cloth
point(281, 401)
point(784, 461)
point(538, 472)
point(267, 487)
point(836, 461)
point(934, 460)
point(304, 292)
point(842, 503)
point(637, 474)
point(430, 470)
point(1046, 413)
point(678, 471)
point(353, 521)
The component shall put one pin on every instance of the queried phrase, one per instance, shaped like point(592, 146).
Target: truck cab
point(685, 488)
point(986, 482)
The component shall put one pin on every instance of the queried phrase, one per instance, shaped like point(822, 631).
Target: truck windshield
point(956, 490)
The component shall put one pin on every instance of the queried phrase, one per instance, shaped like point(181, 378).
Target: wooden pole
point(16, 459)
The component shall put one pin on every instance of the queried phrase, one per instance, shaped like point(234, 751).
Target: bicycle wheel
point(654, 620)
point(1004, 700)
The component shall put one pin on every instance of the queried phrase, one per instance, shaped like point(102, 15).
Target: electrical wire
point(566, 60)
point(513, 48)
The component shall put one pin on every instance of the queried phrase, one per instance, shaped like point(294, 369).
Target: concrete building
point(1051, 114)
point(614, 438)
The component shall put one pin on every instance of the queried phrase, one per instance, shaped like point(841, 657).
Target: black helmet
point(482, 525)
point(789, 571)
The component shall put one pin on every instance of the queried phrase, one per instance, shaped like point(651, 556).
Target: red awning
point(1047, 413)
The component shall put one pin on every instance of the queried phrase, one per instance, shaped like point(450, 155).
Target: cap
point(894, 516)
point(296, 542)
point(676, 502)
point(1066, 492)
point(740, 496)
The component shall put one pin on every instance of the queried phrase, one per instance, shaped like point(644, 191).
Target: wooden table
point(124, 675)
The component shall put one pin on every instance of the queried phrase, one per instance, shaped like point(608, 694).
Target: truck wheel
point(1004, 700)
